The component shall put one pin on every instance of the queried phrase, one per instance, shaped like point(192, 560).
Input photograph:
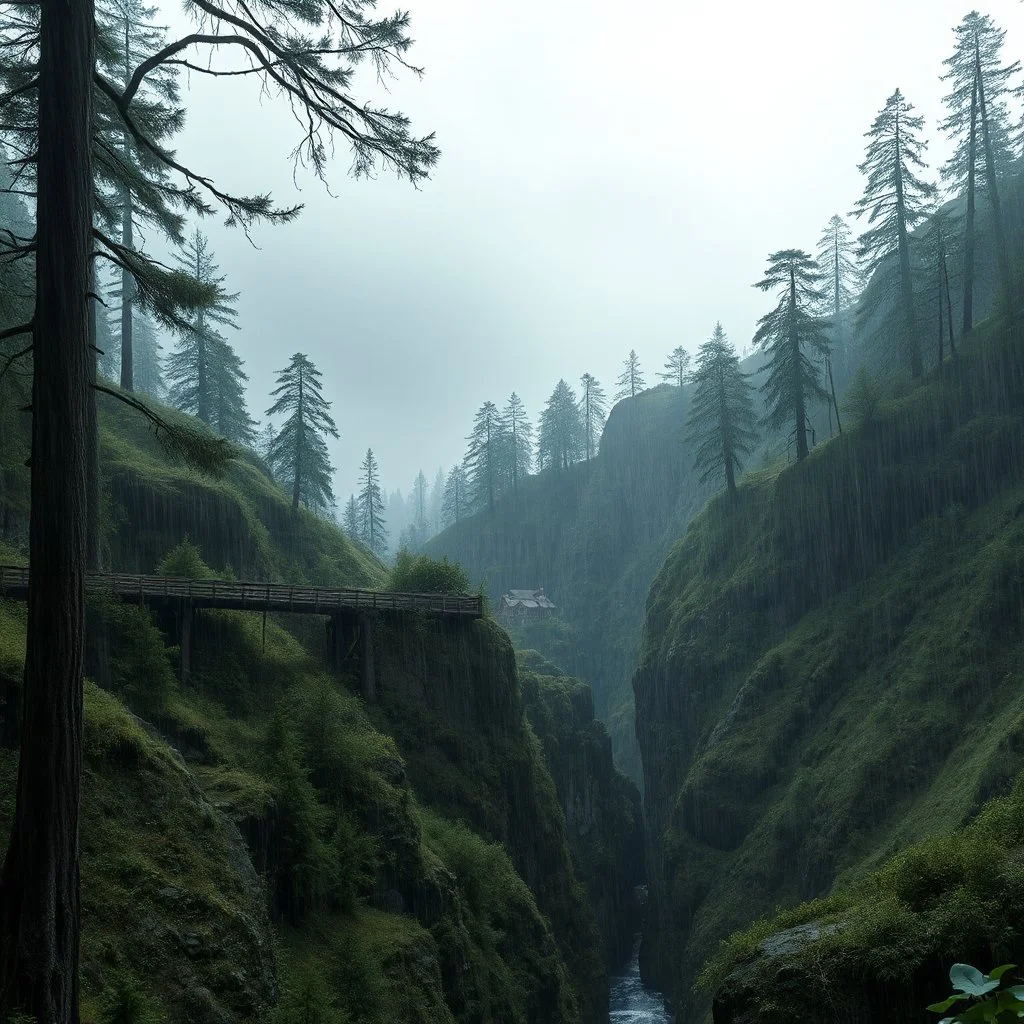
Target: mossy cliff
point(601, 807)
point(831, 664)
point(260, 844)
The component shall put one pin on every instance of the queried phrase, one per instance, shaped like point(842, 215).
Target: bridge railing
point(257, 596)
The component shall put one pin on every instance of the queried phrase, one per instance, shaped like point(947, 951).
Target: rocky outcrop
point(601, 806)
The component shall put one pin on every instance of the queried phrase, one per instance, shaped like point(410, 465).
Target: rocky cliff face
point(601, 807)
point(806, 651)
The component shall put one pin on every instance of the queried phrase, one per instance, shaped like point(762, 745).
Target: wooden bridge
point(339, 604)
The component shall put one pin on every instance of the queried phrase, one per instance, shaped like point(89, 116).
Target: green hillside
point(261, 844)
point(831, 666)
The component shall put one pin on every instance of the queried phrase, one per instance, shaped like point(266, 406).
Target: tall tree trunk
point(906, 278)
point(127, 292)
point(972, 175)
point(728, 456)
point(799, 409)
point(1002, 257)
point(300, 444)
point(39, 897)
point(92, 486)
point(949, 306)
point(835, 403)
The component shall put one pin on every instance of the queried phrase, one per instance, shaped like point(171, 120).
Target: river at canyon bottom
point(632, 1002)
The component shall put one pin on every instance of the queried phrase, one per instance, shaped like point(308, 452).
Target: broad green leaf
point(946, 1003)
point(1000, 971)
point(970, 980)
point(1017, 991)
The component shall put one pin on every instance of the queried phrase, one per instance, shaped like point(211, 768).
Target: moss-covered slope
point(259, 844)
point(831, 665)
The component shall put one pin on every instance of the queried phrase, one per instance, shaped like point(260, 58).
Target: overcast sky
point(612, 176)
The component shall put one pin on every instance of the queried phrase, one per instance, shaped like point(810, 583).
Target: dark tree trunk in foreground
point(127, 293)
point(39, 902)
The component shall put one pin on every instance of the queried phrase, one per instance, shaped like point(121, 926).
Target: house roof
point(526, 599)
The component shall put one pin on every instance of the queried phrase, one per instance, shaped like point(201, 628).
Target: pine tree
point(631, 381)
point(676, 367)
point(437, 502)
point(978, 122)
point(593, 410)
point(722, 419)
point(299, 454)
point(350, 519)
point(840, 286)
point(54, 91)
point(895, 200)
point(371, 507)
point(518, 432)
point(453, 507)
point(793, 335)
point(202, 352)
point(148, 373)
point(560, 441)
point(484, 462)
point(230, 416)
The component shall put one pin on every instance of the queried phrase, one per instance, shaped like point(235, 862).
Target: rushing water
point(632, 1002)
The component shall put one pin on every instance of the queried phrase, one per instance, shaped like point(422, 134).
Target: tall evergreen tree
point(454, 508)
point(593, 410)
point(484, 458)
point(560, 441)
point(722, 421)
point(350, 519)
point(419, 521)
point(51, 90)
point(371, 507)
point(895, 199)
point(202, 352)
point(840, 286)
point(793, 335)
point(437, 502)
point(148, 372)
point(518, 433)
point(230, 413)
point(676, 367)
point(299, 454)
point(978, 122)
point(631, 380)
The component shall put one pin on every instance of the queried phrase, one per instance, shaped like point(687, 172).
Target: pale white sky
point(612, 176)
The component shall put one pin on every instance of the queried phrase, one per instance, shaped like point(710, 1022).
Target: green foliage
point(421, 574)
point(987, 998)
point(862, 399)
point(307, 1000)
point(127, 1003)
point(141, 669)
point(185, 561)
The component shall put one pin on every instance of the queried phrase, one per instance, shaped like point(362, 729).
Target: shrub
point(185, 561)
point(421, 574)
point(141, 671)
point(127, 1003)
point(862, 398)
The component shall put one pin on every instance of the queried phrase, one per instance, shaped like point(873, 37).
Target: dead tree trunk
point(39, 898)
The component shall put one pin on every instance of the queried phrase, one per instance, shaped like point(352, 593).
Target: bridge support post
point(368, 678)
point(186, 642)
point(334, 643)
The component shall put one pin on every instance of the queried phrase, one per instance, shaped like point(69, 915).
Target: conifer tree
point(840, 286)
point(895, 200)
point(593, 410)
point(453, 507)
point(560, 441)
point(484, 461)
point(350, 519)
point(722, 421)
point(437, 501)
point(230, 413)
point(371, 507)
point(518, 432)
point(978, 122)
point(148, 372)
point(52, 90)
point(631, 380)
point(676, 367)
point(793, 335)
point(299, 453)
point(202, 353)
point(419, 521)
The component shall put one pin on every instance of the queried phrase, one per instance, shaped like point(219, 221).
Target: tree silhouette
point(593, 409)
point(454, 503)
point(484, 458)
point(518, 433)
point(371, 507)
point(788, 333)
point(722, 419)
point(560, 440)
point(895, 199)
point(631, 380)
point(299, 452)
point(676, 367)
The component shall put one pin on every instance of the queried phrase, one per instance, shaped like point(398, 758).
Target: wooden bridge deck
point(246, 596)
